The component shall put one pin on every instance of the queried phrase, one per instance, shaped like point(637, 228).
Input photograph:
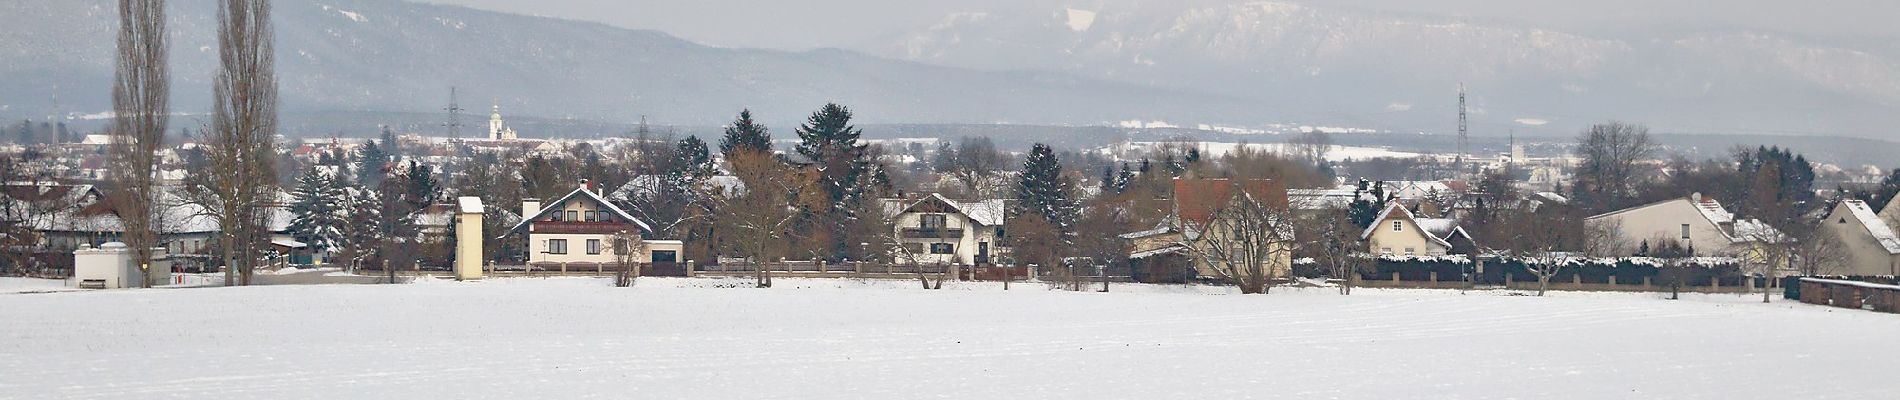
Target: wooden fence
point(1851, 294)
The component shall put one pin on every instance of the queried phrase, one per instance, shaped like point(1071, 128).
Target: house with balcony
point(938, 230)
point(584, 230)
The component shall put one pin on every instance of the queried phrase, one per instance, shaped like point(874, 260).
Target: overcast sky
point(804, 24)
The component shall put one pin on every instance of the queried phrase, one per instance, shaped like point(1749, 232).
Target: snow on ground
point(23, 285)
point(717, 338)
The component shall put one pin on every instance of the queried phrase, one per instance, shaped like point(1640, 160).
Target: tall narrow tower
point(455, 116)
point(1464, 133)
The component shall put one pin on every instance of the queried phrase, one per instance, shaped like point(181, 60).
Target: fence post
point(689, 268)
point(1612, 280)
point(1508, 279)
point(1715, 283)
point(1395, 277)
point(1645, 283)
point(1434, 277)
point(821, 265)
point(563, 268)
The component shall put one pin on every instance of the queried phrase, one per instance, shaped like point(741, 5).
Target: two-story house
point(1399, 233)
point(1869, 245)
point(584, 228)
point(938, 230)
point(1695, 221)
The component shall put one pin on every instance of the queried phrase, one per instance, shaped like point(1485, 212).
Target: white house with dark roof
point(936, 229)
point(583, 228)
point(1868, 241)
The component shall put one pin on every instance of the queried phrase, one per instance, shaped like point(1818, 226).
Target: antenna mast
point(455, 116)
point(1464, 134)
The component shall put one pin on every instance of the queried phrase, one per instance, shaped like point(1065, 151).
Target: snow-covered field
point(825, 339)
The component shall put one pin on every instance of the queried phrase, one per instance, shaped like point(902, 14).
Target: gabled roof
point(986, 212)
point(1875, 225)
point(1399, 211)
point(582, 192)
point(1196, 200)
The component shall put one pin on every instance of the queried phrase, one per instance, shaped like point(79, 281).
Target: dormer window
point(931, 221)
point(1398, 226)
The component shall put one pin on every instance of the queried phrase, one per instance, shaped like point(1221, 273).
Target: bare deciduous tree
point(1610, 152)
point(243, 127)
point(141, 91)
point(1331, 239)
point(1245, 241)
point(1312, 145)
point(757, 219)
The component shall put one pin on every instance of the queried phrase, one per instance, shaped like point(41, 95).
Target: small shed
point(112, 266)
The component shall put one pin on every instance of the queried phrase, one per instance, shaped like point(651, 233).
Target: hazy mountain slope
point(1402, 71)
point(367, 55)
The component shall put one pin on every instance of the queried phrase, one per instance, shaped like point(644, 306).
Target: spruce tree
point(1121, 182)
point(692, 159)
point(828, 140)
point(318, 211)
point(371, 164)
point(1044, 191)
point(745, 135)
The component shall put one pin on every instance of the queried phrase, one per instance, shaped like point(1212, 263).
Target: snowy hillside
point(831, 339)
point(1332, 65)
point(383, 56)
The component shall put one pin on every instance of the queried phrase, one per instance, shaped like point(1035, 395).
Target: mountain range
point(1402, 72)
point(1226, 63)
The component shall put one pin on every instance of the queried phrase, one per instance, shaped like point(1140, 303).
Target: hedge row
point(1626, 271)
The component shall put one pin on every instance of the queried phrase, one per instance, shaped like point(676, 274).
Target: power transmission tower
point(1464, 133)
point(455, 116)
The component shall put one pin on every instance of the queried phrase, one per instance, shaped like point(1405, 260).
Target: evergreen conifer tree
point(318, 211)
point(1044, 191)
point(745, 135)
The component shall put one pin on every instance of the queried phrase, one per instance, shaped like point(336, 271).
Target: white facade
point(583, 227)
point(112, 266)
point(937, 230)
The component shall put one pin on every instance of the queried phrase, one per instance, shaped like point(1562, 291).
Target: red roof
point(1196, 200)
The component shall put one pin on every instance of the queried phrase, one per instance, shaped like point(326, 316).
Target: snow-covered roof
point(1147, 233)
point(1714, 212)
point(1754, 230)
point(1874, 225)
point(289, 243)
point(1398, 210)
point(1315, 199)
point(642, 186)
point(470, 204)
point(581, 192)
point(1169, 249)
point(986, 213)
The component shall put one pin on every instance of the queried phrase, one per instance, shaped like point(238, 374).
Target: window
point(587, 216)
point(573, 215)
point(1398, 226)
point(1685, 231)
point(1385, 250)
point(557, 246)
point(931, 221)
point(943, 248)
point(1410, 252)
point(593, 246)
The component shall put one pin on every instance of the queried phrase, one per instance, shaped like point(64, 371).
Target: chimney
point(529, 207)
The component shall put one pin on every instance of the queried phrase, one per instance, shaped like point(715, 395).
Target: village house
point(1171, 247)
point(584, 229)
point(1695, 221)
point(938, 230)
point(1869, 244)
point(1399, 233)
